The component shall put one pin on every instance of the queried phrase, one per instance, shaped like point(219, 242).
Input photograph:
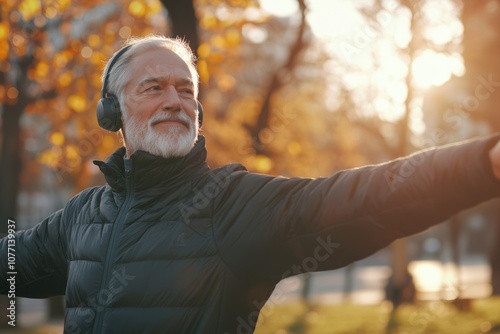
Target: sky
point(348, 36)
point(340, 25)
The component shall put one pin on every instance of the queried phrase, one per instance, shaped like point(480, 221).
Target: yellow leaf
point(77, 103)
point(137, 8)
point(56, 138)
point(262, 164)
point(4, 30)
point(50, 12)
point(28, 8)
point(208, 22)
point(154, 7)
point(61, 58)
point(65, 79)
point(73, 156)
point(203, 50)
point(94, 41)
point(203, 71)
point(41, 70)
point(98, 58)
point(218, 41)
point(50, 157)
point(62, 4)
point(233, 37)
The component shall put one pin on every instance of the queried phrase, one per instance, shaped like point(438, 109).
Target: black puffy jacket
point(171, 246)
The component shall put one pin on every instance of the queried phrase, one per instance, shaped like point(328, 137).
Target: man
point(172, 246)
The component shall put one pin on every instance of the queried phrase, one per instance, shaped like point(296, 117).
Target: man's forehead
point(154, 69)
point(160, 61)
point(168, 77)
point(161, 70)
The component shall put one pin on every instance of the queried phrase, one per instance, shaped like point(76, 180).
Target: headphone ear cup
point(200, 114)
point(109, 115)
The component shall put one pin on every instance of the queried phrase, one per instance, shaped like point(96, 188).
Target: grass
point(437, 317)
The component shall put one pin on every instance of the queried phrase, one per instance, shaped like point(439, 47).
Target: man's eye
point(186, 91)
point(155, 87)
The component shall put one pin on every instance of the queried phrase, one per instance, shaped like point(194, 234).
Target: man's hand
point(495, 160)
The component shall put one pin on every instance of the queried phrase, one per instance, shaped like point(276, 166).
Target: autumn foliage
point(70, 41)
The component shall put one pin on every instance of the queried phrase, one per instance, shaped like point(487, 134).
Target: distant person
point(403, 293)
point(170, 245)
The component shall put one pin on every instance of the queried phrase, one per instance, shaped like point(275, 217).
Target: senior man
point(170, 245)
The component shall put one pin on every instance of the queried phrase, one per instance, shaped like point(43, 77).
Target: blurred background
point(289, 87)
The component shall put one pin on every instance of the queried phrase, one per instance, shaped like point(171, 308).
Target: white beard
point(174, 143)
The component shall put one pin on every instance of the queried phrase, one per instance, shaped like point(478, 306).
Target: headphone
point(109, 115)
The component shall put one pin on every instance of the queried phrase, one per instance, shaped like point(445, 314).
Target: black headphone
point(109, 115)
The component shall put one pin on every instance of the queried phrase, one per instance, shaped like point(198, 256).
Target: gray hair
point(119, 76)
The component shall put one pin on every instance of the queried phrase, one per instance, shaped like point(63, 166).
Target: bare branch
point(276, 82)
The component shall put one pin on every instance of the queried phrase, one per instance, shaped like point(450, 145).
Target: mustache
point(180, 117)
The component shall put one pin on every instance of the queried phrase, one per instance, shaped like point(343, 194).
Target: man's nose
point(171, 99)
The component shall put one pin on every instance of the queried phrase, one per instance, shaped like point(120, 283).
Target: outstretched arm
point(38, 260)
point(330, 222)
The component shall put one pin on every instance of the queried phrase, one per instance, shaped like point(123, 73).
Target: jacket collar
point(151, 171)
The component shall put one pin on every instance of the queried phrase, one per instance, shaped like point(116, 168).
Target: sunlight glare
point(279, 8)
point(370, 55)
point(326, 19)
point(443, 23)
point(431, 69)
point(428, 275)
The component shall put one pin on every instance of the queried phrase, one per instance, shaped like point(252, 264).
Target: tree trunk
point(10, 167)
point(184, 22)
point(276, 83)
point(10, 164)
point(399, 247)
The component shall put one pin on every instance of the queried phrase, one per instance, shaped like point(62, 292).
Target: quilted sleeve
point(35, 260)
point(279, 226)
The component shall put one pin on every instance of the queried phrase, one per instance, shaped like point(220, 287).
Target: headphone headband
point(104, 89)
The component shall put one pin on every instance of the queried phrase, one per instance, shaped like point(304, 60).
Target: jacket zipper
point(110, 254)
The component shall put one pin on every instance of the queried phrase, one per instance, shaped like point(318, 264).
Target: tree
point(480, 59)
point(53, 57)
point(398, 143)
point(466, 106)
point(183, 21)
point(18, 45)
point(52, 54)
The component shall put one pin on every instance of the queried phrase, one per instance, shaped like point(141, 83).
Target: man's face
point(160, 113)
